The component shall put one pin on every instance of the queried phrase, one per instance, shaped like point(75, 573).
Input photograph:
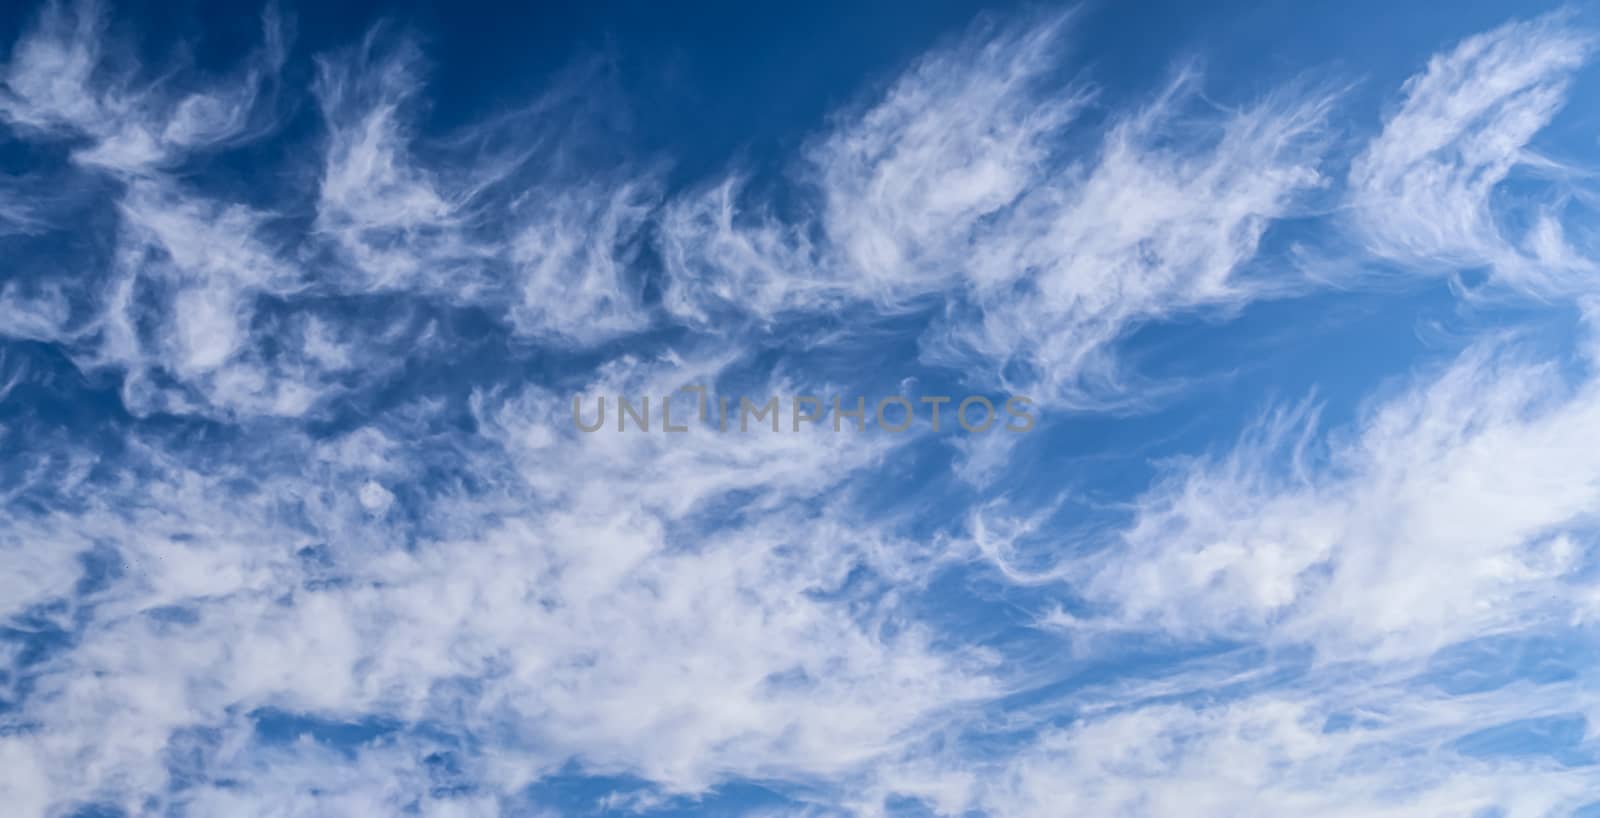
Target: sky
point(304, 309)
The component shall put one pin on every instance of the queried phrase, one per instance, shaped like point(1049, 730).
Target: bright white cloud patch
point(1423, 193)
point(60, 82)
point(957, 183)
point(1458, 508)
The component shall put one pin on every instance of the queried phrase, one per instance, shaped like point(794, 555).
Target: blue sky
point(295, 303)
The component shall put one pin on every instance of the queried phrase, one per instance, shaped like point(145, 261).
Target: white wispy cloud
point(1275, 753)
point(581, 604)
point(959, 137)
point(573, 260)
point(398, 221)
point(957, 184)
point(60, 81)
point(463, 222)
point(1163, 220)
point(902, 185)
point(1456, 508)
point(1423, 193)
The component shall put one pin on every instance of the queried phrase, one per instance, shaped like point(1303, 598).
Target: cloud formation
point(1423, 193)
point(297, 521)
